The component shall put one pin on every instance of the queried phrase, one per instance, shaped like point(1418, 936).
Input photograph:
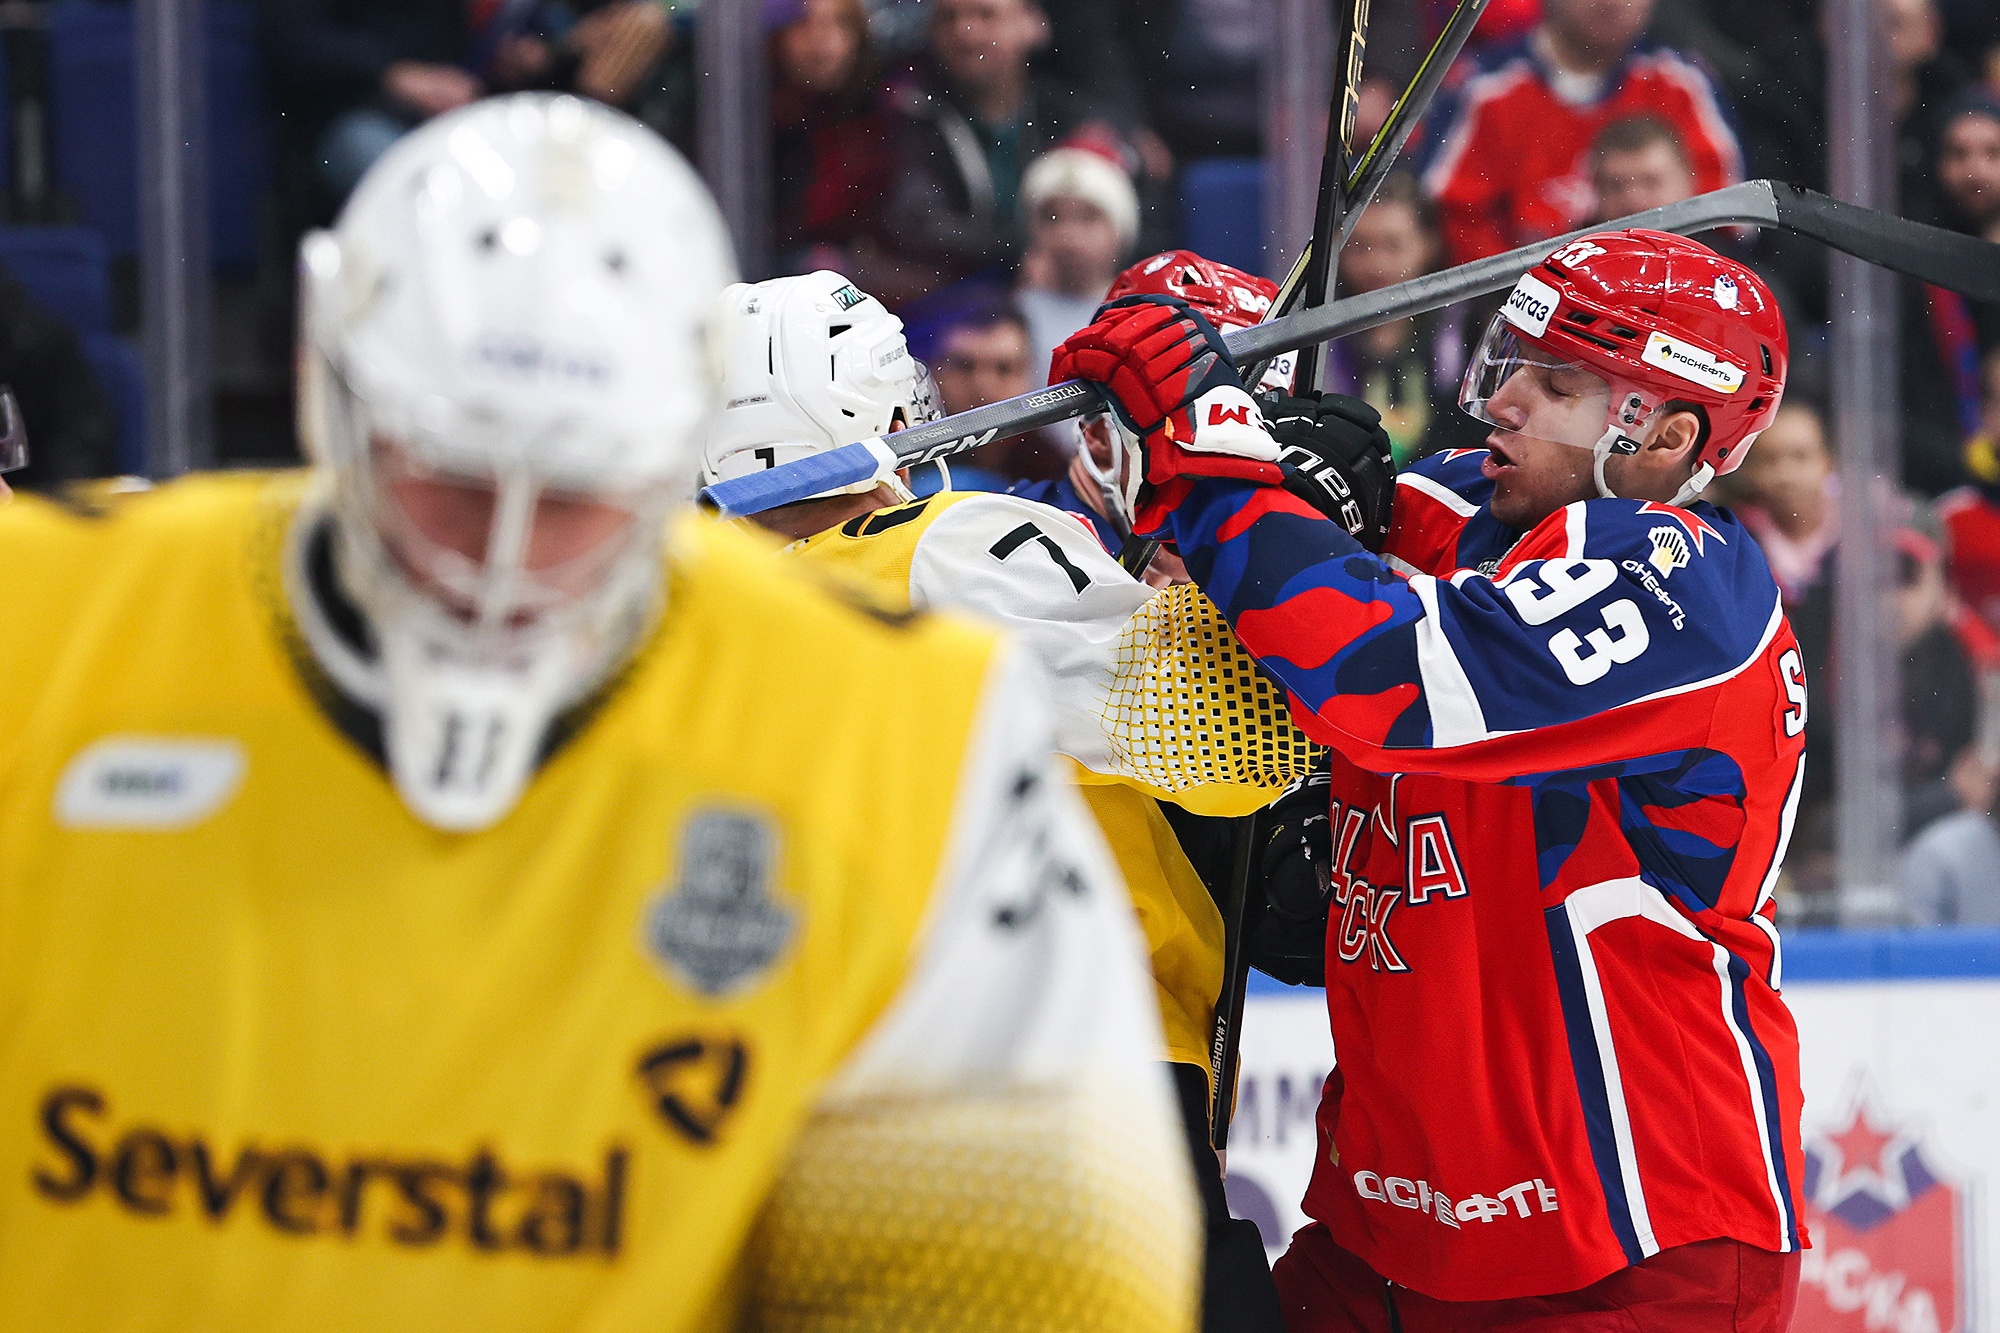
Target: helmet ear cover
point(1671, 324)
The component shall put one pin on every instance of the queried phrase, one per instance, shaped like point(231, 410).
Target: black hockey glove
point(1296, 870)
point(1336, 458)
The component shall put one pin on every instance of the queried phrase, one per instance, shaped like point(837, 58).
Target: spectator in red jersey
point(1971, 514)
point(1510, 163)
point(830, 163)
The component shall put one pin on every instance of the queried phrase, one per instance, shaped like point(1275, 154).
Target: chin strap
point(1616, 441)
point(1692, 488)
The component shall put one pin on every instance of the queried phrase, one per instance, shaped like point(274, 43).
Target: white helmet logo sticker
point(1531, 305)
point(1691, 363)
point(1725, 292)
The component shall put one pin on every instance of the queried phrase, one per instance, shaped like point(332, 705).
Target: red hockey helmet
point(1660, 319)
point(1229, 297)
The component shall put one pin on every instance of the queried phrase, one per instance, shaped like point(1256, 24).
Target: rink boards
point(1900, 1035)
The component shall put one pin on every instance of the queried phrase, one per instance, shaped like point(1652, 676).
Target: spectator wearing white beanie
point(1082, 216)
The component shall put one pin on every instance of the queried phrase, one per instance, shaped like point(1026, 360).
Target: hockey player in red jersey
point(1568, 716)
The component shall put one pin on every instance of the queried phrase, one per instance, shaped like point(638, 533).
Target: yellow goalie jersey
point(763, 1009)
point(1152, 696)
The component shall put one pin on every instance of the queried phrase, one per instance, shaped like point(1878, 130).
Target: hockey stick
point(1947, 259)
point(1315, 269)
point(1226, 1040)
point(1330, 208)
point(1382, 153)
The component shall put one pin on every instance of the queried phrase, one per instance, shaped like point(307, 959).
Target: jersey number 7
point(1028, 532)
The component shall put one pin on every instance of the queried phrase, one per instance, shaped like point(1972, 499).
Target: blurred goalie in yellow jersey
point(1152, 696)
point(452, 889)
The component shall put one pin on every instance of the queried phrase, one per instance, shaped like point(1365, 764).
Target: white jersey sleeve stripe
point(1456, 717)
point(1432, 489)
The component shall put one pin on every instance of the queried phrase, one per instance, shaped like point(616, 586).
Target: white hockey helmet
point(810, 363)
point(505, 334)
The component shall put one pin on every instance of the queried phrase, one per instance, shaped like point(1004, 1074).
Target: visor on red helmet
point(1657, 318)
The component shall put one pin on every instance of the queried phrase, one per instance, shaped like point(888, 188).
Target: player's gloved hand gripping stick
point(1959, 263)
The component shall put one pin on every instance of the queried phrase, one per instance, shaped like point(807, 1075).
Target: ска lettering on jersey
point(1432, 871)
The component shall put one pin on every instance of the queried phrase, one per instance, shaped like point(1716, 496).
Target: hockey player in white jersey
point(812, 363)
point(447, 887)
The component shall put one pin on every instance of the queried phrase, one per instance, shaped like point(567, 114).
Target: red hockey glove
point(1167, 374)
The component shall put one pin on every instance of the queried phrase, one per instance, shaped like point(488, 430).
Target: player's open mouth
point(1496, 461)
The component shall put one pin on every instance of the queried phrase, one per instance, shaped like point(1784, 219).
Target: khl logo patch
point(716, 926)
point(1889, 1232)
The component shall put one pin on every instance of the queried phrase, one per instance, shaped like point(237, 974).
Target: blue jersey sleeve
point(1605, 604)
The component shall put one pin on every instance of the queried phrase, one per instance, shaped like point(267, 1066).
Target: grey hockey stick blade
point(1964, 264)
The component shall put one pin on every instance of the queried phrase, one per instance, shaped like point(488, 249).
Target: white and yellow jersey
point(756, 1012)
point(1151, 693)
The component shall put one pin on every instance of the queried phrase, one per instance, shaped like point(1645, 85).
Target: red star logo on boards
point(1698, 530)
point(1861, 1145)
point(1888, 1227)
point(1866, 1160)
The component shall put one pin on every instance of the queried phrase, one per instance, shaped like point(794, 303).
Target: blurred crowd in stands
point(987, 166)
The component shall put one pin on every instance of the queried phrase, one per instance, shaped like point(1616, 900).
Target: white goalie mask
point(810, 363)
point(505, 375)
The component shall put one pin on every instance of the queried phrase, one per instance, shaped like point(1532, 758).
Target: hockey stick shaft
point(1383, 151)
point(1947, 259)
point(1330, 208)
point(1227, 1038)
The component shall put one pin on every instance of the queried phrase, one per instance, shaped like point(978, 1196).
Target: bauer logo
point(716, 927)
point(144, 782)
point(1691, 363)
point(1531, 305)
point(1889, 1232)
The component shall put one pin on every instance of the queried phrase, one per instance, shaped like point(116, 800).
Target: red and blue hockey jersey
point(1567, 767)
point(1510, 163)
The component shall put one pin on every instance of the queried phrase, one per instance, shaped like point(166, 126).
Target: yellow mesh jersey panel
point(292, 1060)
point(1183, 929)
point(885, 1199)
point(1192, 719)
